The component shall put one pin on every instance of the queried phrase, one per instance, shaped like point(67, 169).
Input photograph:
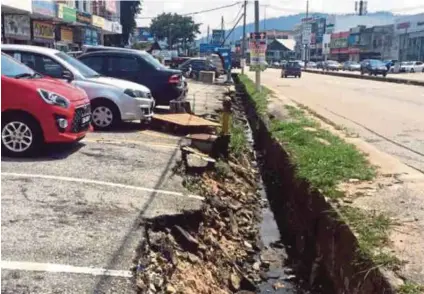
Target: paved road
point(390, 116)
point(407, 76)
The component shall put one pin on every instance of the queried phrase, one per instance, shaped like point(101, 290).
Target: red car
point(37, 109)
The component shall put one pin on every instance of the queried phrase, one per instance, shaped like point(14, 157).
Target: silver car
point(112, 100)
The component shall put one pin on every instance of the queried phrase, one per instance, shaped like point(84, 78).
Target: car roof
point(123, 51)
point(30, 48)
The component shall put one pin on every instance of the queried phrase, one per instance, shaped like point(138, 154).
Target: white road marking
point(123, 141)
point(102, 183)
point(63, 268)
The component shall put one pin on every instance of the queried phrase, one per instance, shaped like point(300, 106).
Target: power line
point(197, 12)
point(238, 15)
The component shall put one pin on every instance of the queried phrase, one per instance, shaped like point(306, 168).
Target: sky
point(268, 9)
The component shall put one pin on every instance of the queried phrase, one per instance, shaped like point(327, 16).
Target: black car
point(139, 67)
point(373, 67)
point(291, 69)
point(198, 65)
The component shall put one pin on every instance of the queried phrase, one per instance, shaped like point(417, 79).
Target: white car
point(112, 100)
point(412, 66)
point(311, 64)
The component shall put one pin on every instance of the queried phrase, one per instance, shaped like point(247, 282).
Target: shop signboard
point(17, 26)
point(306, 33)
point(24, 5)
point(83, 17)
point(321, 25)
point(43, 30)
point(66, 35)
point(44, 7)
point(66, 13)
point(108, 26)
point(111, 6)
point(143, 34)
point(207, 48)
point(98, 21)
point(116, 28)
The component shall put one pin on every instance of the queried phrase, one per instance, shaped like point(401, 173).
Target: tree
point(175, 28)
point(129, 10)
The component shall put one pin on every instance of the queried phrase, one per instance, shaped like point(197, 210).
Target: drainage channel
point(280, 277)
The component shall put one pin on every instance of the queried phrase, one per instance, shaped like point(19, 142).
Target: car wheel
point(104, 114)
point(362, 73)
point(21, 135)
point(412, 70)
point(385, 74)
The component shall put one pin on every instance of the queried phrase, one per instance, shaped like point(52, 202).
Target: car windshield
point(377, 63)
point(13, 69)
point(409, 63)
point(84, 70)
point(153, 61)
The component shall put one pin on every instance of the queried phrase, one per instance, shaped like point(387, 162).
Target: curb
point(349, 75)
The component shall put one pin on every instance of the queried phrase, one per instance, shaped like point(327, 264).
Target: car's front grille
point(78, 125)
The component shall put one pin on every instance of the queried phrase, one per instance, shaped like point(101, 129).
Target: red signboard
point(403, 25)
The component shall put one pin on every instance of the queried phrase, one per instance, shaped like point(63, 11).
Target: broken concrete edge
point(387, 79)
point(325, 245)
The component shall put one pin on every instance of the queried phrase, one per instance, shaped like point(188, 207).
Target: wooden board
point(185, 119)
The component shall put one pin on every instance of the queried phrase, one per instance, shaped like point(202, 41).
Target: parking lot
point(71, 218)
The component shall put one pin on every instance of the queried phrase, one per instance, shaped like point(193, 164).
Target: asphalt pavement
point(71, 218)
point(389, 116)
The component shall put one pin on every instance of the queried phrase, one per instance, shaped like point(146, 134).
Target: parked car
point(218, 62)
point(235, 63)
point(320, 64)
point(332, 65)
point(140, 67)
point(292, 68)
point(390, 64)
point(412, 66)
point(197, 65)
point(176, 61)
point(36, 109)
point(351, 66)
point(112, 100)
point(373, 67)
point(311, 64)
point(74, 53)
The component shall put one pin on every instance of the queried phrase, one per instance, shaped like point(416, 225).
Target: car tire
point(30, 137)
point(385, 74)
point(362, 72)
point(105, 114)
point(412, 70)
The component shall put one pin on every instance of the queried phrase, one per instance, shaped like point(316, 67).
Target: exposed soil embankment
point(326, 248)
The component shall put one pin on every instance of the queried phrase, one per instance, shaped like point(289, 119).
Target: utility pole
point(207, 38)
point(307, 44)
point(222, 26)
point(361, 7)
point(243, 41)
point(258, 70)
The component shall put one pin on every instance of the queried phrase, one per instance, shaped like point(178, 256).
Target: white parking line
point(102, 183)
point(62, 268)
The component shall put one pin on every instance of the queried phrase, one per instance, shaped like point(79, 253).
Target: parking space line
point(170, 146)
point(63, 268)
point(101, 183)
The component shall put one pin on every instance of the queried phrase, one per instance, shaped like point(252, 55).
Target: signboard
point(108, 26)
point(111, 6)
point(44, 7)
point(218, 37)
point(66, 13)
point(116, 28)
point(143, 34)
point(43, 31)
point(208, 48)
point(17, 26)
point(403, 25)
point(321, 25)
point(98, 21)
point(90, 37)
point(66, 35)
point(257, 47)
point(306, 33)
point(83, 17)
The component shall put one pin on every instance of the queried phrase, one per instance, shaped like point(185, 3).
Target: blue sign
point(143, 34)
point(208, 48)
point(90, 37)
point(218, 37)
point(44, 7)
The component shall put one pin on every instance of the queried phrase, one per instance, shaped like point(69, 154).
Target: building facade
point(64, 25)
point(409, 37)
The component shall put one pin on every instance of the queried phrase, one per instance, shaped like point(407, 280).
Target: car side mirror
point(67, 75)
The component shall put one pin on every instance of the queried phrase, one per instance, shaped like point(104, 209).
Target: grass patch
point(238, 140)
point(322, 158)
point(410, 288)
point(259, 99)
point(372, 233)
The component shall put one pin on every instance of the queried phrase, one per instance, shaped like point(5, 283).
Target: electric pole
point(258, 70)
point(361, 7)
point(222, 28)
point(307, 43)
point(243, 41)
point(207, 38)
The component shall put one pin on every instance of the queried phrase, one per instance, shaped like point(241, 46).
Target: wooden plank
point(185, 119)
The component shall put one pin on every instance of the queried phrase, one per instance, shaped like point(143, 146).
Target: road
point(419, 76)
point(389, 116)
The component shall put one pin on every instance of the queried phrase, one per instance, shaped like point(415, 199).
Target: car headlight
point(137, 93)
point(53, 98)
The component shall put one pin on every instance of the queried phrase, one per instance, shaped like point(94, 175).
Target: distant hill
point(288, 22)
